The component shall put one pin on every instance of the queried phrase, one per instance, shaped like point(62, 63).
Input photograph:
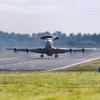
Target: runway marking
point(17, 63)
point(13, 69)
point(9, 58)
point(71, 65)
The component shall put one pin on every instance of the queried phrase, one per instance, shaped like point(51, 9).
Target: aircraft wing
point(59, 50)
point(54, 50)
point(63, 50)
point(38, 50)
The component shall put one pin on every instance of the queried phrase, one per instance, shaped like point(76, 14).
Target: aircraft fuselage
point(48, 47)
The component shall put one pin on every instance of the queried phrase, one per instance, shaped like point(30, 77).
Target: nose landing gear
point(56, 56)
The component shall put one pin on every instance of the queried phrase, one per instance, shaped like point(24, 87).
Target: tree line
point(31, 41)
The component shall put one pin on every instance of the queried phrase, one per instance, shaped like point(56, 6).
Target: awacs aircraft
point(49, 50)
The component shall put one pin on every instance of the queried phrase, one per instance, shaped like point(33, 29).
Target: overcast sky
point(32, 16)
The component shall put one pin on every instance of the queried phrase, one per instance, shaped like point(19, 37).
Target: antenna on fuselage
point(50, 36)
point(46, 37)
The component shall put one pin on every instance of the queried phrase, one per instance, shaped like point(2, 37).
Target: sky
point(33, 16)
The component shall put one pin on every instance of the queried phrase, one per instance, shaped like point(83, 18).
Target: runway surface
point(32, 62)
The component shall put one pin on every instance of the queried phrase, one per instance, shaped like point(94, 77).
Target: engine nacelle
point(83, 50)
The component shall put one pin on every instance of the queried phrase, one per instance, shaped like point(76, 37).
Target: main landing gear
point(41, 55)
point(56, 56)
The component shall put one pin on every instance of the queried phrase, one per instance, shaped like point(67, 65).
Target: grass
point(49, 86)
point(89, 66)
point(82, 82)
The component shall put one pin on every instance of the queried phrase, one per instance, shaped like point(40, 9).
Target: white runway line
point(72, 65)
point(17, 63)
point(13, 69)
point(9, 58)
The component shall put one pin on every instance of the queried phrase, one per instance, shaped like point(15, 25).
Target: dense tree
point(72, 40)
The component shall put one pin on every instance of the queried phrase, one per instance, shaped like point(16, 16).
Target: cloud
point(30, 9)
point(34, 7)
point(4, 8)
point(14, 2)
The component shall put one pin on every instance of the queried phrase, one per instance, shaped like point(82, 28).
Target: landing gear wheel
point(56, 56)
point(42, 56)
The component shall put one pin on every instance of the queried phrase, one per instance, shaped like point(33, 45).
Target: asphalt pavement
point(33, 62)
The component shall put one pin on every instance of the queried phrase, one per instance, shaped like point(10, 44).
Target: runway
point(9, 61)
